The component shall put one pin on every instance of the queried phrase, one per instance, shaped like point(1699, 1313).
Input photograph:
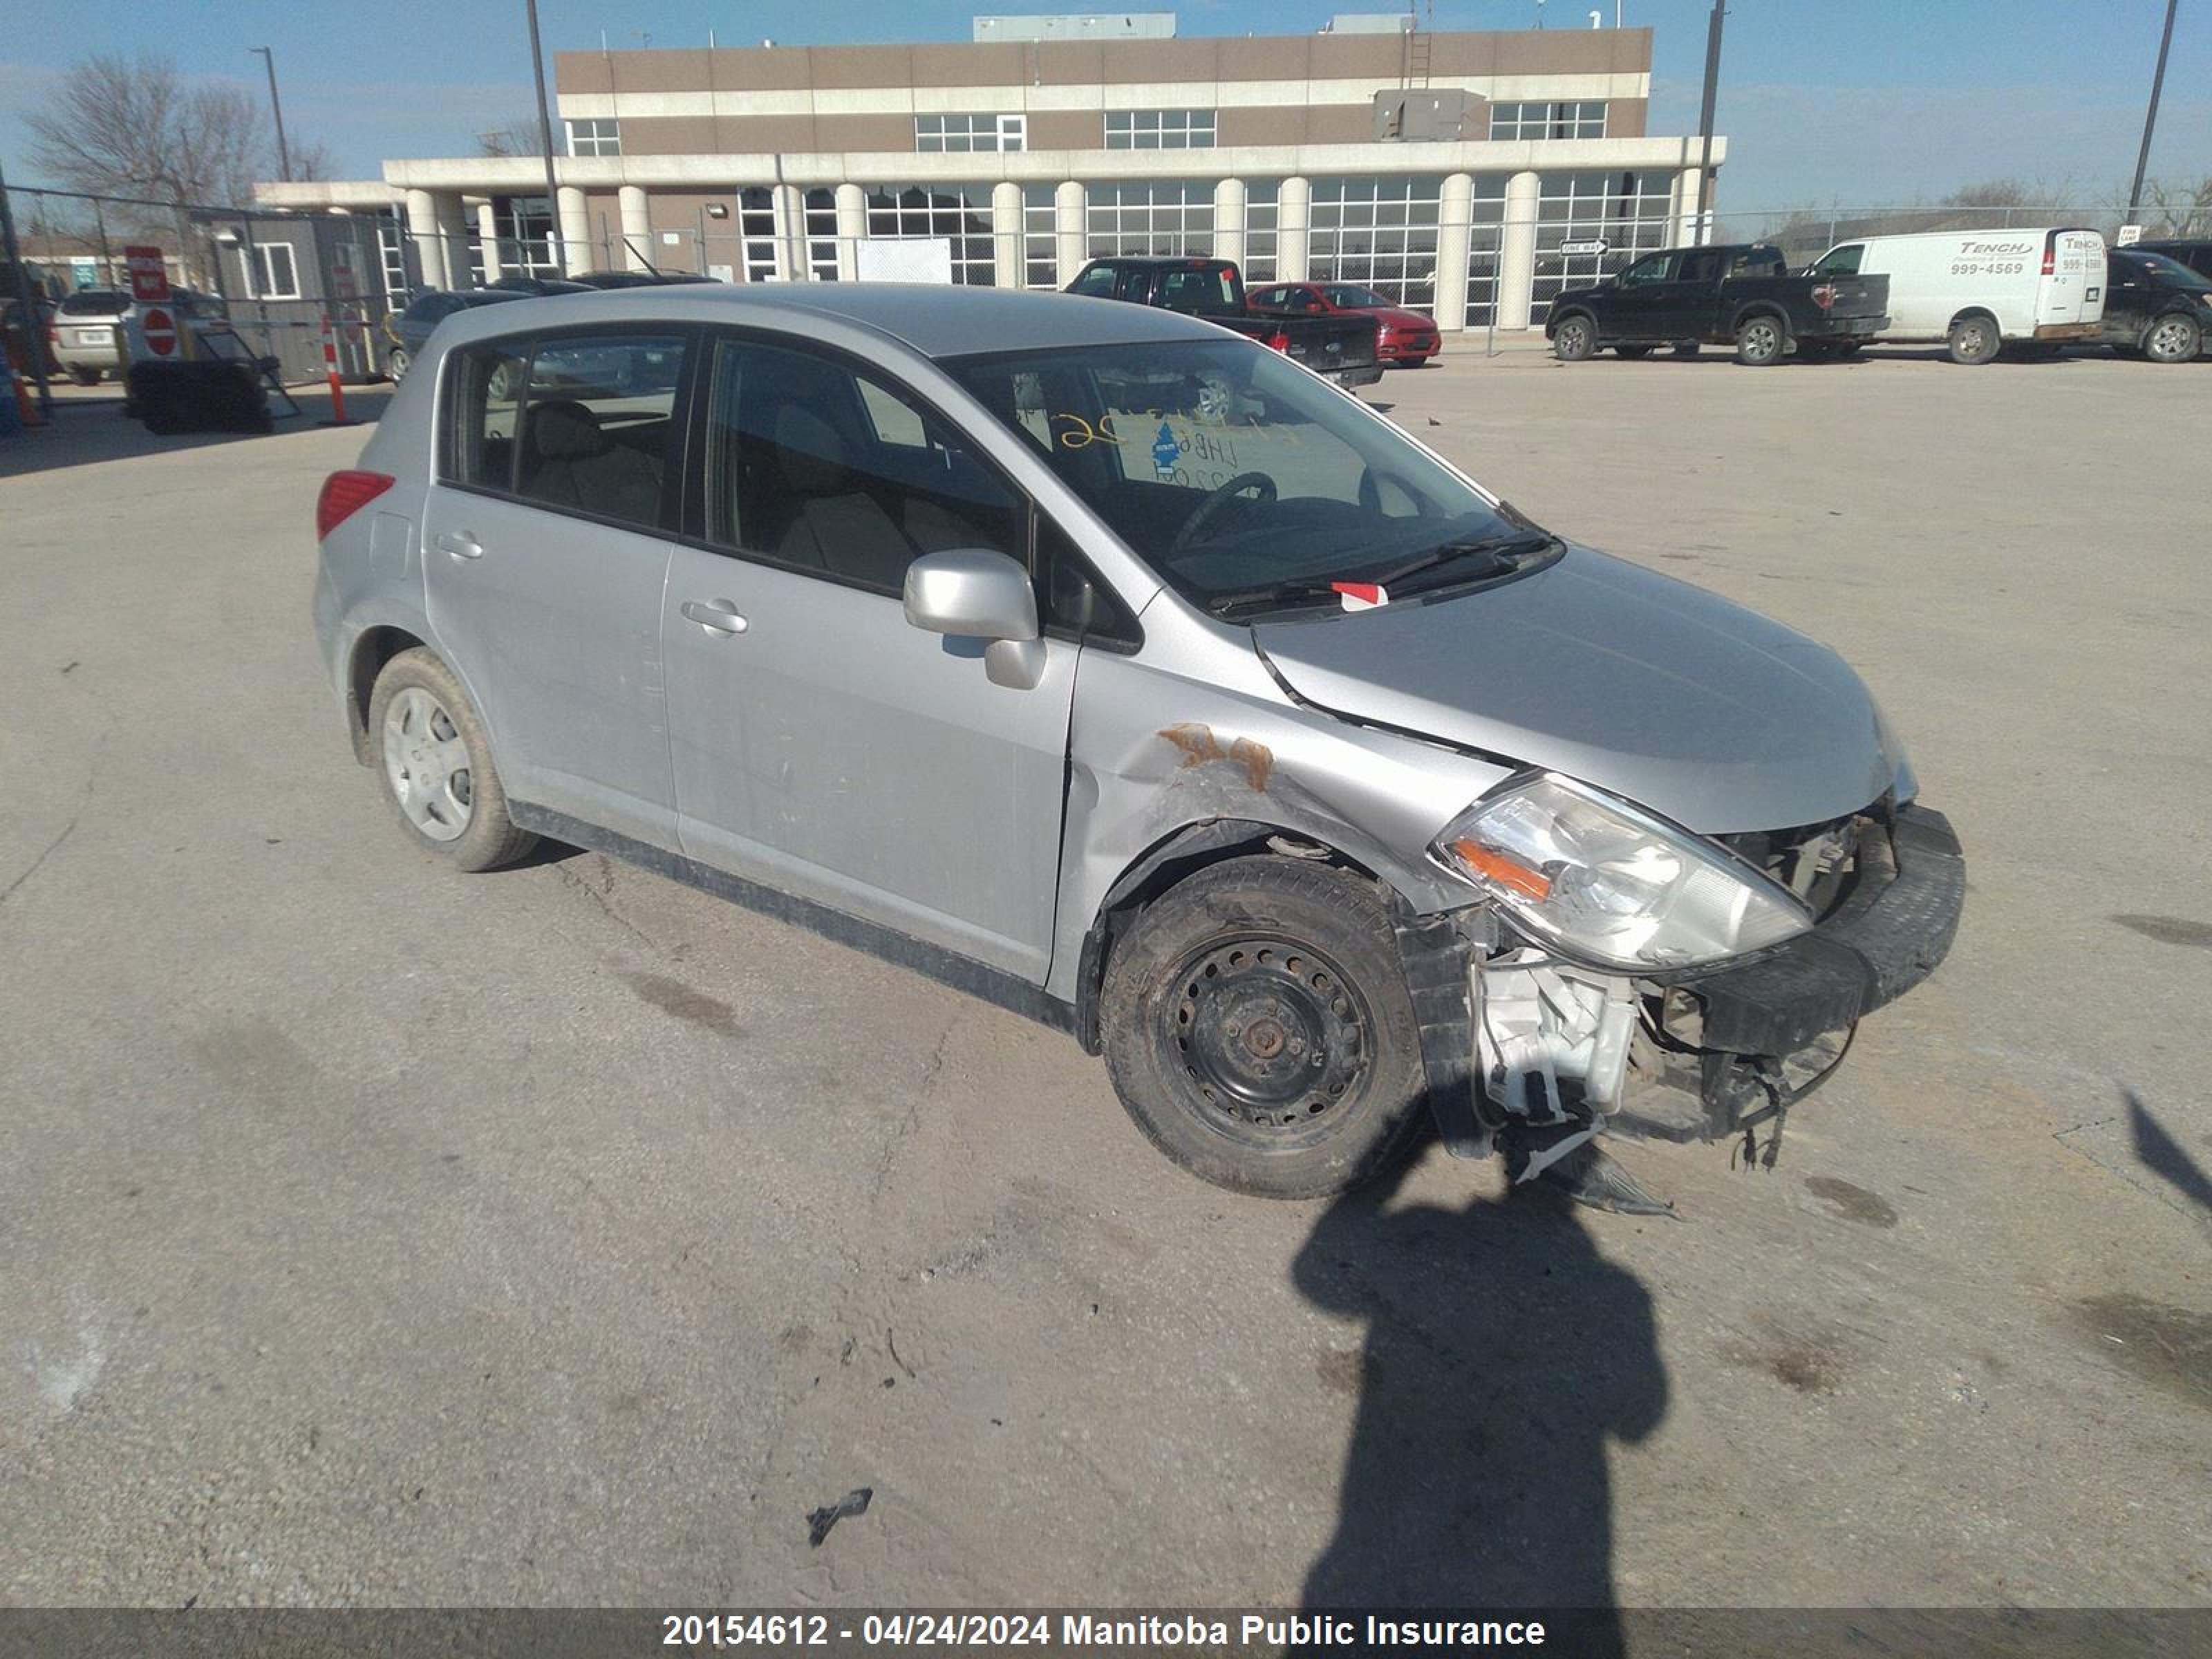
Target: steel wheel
point(1271, 1036)
point(2171, 339)
point(426, 765)
point(1759, 342)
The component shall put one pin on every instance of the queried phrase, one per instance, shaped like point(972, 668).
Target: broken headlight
point(1611, 885)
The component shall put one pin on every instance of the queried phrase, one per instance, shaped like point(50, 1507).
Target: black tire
point(83, 375)
point(1762, 341)
point(2173, 338)
point(1574, 339)
point(1974, 340)
point(1632, 352)
point(396, 364)
point(1258, 1029)
point(486, 837)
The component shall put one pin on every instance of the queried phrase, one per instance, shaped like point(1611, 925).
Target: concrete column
point(787, 204)
point(488, 235)
point(1006, 234)
point(1454, 212)
point(1688, 189)
point(636, 228)
point(423, 232)
point(1517, 251)
point(1293, 219)
point(452, 234)
point(1067, 206)
point(573, 226)
point(1229, 220)
point(851, 227)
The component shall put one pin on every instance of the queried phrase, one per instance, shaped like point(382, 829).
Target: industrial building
point(1471, 174)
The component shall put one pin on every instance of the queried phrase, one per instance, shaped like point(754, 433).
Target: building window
point(958, 214)
point(1148, 216)
point(278, 276)
point(756, 233)
point(1486, 233)
point(1160, 129)
point(1626, 211)
point(822, 235)
point(1380, 232)
point(1261, 198)
point(1584, 120)
point(602, 138)
point(524, 227)
point(961, 135)
point(1041, 235)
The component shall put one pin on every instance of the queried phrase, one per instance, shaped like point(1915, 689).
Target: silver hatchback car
point(1103, 664)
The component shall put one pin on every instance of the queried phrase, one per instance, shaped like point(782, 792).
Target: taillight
point(2051, 253)
point(345, 493)
point(1278, 341)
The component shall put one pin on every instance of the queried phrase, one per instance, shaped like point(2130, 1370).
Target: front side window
point(1096, 281)
point(835, 473)
point(1248, 484)
point(1653, 270)
point(595, 137)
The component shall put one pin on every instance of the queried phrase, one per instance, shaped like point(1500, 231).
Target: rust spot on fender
point(1199, 745)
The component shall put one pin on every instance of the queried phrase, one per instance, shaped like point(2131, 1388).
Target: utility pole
point(275, 108)
point(545, 143)
point(1705, 125)
point(2150, 117)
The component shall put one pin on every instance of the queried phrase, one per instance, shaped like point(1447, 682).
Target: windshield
point(2171, 273)
point(96, 302)
point(1237, 476)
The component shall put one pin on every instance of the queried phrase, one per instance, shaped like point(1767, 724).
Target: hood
point(1689, 705)
point(1396, 317)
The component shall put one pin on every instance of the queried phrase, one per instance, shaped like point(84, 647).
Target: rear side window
point(1203, 293)
point(597, 422)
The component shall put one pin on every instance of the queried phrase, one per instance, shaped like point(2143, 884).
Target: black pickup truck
point(1741, 296)
point(1338, 348)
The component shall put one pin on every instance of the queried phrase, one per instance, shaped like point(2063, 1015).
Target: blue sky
point(1864, 102)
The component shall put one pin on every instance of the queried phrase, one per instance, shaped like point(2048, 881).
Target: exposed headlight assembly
point(1612, 886)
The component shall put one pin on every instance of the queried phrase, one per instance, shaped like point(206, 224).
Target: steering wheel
point(1215, 500)
point(1371, 480)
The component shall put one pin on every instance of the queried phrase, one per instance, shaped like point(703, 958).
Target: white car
point(82, 333)
point(1978, 291)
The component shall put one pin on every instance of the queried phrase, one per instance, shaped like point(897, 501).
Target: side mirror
point(975, 593)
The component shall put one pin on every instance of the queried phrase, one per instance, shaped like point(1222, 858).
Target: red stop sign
point(160, 331)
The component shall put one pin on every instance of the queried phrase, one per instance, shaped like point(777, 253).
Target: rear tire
point(84, 376)
point(1974, 340)
point(434, 765)
point(1762, 341)
point(397, 363)
point(2173, 338)
point(1575, 340)
point(1258, 1031)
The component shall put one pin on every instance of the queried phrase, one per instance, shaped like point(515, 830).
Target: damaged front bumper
point(1538, 1054)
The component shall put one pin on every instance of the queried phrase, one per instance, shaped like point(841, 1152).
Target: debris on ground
point(819, 1522)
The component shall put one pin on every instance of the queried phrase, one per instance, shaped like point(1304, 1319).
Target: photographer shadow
point(1502, 1352)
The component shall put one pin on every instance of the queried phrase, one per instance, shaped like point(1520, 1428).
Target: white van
point(1980, 291)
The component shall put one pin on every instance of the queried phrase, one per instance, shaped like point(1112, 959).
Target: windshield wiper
point(1500, 551)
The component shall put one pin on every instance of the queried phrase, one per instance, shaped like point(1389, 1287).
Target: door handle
point(715, 616)
point(461, 544)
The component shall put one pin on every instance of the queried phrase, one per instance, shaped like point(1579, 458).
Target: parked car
point(2196, 254)
point(2156, 307)
point(410, 329)
point(1342, 349)
point(639, 278)
point(1978, 291)
point(1108, 667)
point(1741, 294)
point(1403, 338)
point(537, 286)
point(83, 334)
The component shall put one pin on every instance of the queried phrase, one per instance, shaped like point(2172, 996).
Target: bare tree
point(2178, 209)
point(515, 137)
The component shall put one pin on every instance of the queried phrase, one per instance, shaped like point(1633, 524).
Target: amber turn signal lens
point(1534, 884)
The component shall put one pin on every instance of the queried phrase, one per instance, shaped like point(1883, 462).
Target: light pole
point(545, 143)
point(1705, 125)
point(275, 108)
point(2150, 117)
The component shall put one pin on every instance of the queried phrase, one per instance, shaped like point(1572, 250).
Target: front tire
point(1974, 340)
point(1258, 1029)
point(1761, 341)
point(433, 764)
point(2173, 338)
point(1575, 340)
point(397, 363)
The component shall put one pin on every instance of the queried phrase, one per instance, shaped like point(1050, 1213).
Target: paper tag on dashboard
point(1360, 596)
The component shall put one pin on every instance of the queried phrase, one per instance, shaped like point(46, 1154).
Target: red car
point(1407, 339)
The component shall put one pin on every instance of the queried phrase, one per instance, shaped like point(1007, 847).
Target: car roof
point(935, 320)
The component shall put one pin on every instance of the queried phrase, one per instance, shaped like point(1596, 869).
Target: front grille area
point(1816, 861)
